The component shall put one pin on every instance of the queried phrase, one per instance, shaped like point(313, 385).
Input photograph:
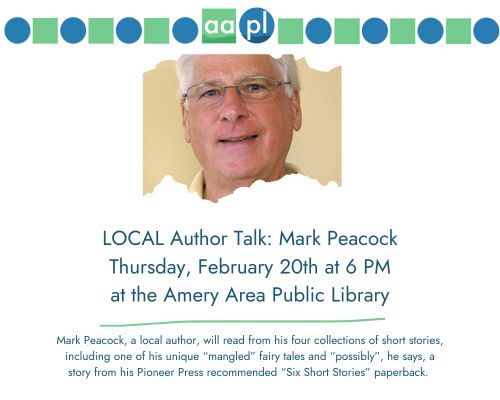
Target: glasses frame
point(276, 84)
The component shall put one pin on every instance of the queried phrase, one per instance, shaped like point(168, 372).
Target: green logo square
point(156, 30)
point(45, 30)
point(290, 31)
point(458, 31)
point(219, 25)
point(402, 31)
point(101, 30)
point(346, 31)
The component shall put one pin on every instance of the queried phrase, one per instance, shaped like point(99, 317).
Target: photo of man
point(220, 122)
point(239, 114)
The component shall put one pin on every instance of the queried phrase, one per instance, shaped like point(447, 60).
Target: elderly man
point(239, 113)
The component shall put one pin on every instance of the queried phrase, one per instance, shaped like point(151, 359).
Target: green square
point(402, 31)
point(219, 25)
point(45, 30)
point(156, 30)
point(458, 31)
point(290, 31)
point(346, 31)
point(101, 30)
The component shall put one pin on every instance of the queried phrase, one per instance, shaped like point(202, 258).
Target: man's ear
point(297, 111)
point(185, 125)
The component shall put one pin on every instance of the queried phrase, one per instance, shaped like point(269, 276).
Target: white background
point(420, 141)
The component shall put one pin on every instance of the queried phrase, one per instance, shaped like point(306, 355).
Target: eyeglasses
point(252, 89)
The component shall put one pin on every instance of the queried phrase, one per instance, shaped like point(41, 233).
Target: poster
point(381, 285)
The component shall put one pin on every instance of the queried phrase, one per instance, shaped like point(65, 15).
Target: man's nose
point(233, 108)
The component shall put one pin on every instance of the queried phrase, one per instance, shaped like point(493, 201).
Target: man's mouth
point(239, 139)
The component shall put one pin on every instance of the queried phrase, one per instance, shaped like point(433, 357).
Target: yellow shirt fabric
point(198, 183)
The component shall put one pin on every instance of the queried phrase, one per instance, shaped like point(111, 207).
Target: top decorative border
point(256, 25)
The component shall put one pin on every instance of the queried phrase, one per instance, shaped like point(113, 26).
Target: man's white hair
point(286, 65)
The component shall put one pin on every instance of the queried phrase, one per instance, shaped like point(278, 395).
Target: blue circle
point(185, 30)
point(430, 30)
point(73, 30)
point(256, 25)
point(486, 30)
point(17, 30)
point(375, 30)
point(128, 30)
point(318, 30)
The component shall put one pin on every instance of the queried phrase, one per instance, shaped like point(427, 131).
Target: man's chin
point(240, 173)
point(247, 176)
point(246, 179)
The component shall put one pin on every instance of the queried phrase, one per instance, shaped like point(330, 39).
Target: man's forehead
point(227, 68)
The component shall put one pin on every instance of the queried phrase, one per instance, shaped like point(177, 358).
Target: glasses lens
point(206, 93)
point(257, 88)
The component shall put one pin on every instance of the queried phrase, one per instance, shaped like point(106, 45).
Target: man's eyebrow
point(194, 83)
point(247, 76)
point(211, 81)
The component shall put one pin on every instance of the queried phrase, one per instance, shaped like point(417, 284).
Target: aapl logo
point(256, 25)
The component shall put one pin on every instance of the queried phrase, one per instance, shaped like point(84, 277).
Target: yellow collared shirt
point(197, 185)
